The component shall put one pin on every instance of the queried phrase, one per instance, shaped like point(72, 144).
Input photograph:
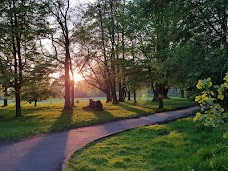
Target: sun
point(77, 77)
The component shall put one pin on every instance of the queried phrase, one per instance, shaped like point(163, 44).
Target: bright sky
point(77, 77)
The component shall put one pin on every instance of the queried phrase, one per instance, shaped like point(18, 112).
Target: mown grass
point(49, 116)
point(177, 146)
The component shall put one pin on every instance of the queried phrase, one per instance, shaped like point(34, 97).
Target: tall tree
point(62, 37)
point(98, 31)
point(22, 22)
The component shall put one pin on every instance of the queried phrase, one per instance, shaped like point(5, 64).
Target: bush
point(212, 113)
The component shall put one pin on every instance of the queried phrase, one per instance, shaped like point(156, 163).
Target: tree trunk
point(18, 102)
point(5, 102)
point(182, 92)
point(164, 92)
point(124, 93)
point(18, 67)
point(128, 95)
point(112, 52)
point(158, 96)
point(108, 96)
point(5, 97)
point(67, 104)
point(121, 93)
point(72, 93)
point(113, 92)
point(35, 103)
point(155, 98)
point(161, 106)
point(134, 93)
point(156, 93)
point(160, 91)
point(107, 71)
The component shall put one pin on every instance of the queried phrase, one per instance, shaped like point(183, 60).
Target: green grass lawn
point(177, 146)
point(49, 116)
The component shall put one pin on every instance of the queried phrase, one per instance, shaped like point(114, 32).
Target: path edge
point(170, 119)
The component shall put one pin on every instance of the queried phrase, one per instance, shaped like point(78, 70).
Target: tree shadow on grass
point(128, 102)
point(1, 118)
point(9, 114)
point(26, 111)
point(146, 104)
point(63, 122)
point(103, 115)
point(131, 103)
point(131, 109)
point(169, 104)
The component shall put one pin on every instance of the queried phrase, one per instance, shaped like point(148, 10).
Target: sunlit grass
point(48, 116)
point(177, 146)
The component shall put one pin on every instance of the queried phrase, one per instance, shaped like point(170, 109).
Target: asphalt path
point(50, 152)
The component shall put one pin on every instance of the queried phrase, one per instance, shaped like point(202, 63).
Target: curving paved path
point(50, 152)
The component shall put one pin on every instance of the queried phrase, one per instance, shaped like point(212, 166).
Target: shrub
point(211, 113)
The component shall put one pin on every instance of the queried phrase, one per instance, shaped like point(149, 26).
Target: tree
point(152, 37)
point(103, 32)
point(22, 22)
point(200, 38)
point(38, 86)
point(170, 40)
point(211, 19)
point(133, 81)
point(62, 40)
point(97, 78)
point(38, 91)
point(96, 33)
point(179, 44)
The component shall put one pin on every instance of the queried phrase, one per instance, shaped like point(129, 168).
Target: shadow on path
point(41, 153)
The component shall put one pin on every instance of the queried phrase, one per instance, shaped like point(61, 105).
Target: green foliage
point(212, 113)
point(175, 146)
point(37, 85)
point(38, 91)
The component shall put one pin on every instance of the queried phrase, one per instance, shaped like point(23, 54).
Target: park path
point(50, 152)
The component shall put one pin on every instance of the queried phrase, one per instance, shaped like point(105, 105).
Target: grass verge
point(49, 117)
point(179, 145)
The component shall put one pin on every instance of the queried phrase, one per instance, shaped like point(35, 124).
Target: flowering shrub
point(211, 113)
